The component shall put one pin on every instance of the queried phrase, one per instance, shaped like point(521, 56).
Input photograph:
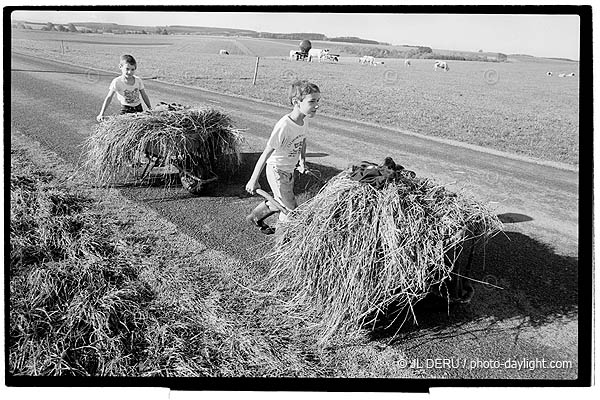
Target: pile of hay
point(352, 251)
point(201, 141)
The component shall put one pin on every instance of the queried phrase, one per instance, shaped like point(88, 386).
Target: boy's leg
point(258, 216)
point(282, 185)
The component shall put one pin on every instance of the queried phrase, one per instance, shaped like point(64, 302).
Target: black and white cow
point(320, 54)
point(368, 60)
point(441, 65)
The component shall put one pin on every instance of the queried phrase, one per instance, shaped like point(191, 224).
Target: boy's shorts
point(282, 185)
point(131, 109)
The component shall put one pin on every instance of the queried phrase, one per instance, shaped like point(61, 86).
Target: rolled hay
point(352, 251)
point(200, 141)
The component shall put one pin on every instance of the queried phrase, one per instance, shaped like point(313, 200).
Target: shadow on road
point(305, 185)
point(234, 186)
point(537, 284)
point(311, 155)
point(511, 218)
point(217, 216)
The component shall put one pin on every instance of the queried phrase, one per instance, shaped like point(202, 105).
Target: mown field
point(512, 106)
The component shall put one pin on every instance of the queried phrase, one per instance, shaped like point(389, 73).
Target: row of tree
point(354, 39)
point(383, 52)
point(292, 36)
point(50, 27)
point(419, 52)
point(60, 28)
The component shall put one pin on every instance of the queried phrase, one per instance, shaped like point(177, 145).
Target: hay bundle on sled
point(201, 143)
point(354, 250)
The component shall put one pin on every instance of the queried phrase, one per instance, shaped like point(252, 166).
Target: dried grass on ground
point(95, 292)
point(77, 307)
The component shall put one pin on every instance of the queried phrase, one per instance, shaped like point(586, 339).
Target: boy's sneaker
point(264, 228)
point(267, 230)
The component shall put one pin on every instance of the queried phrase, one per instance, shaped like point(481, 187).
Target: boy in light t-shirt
point(285, 151)
point(128, 88)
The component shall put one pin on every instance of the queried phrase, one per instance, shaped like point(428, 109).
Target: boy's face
point(309, 105)
point(127, 69)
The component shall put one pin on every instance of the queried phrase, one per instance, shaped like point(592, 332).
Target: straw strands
point(352, 251)
point(199, 141)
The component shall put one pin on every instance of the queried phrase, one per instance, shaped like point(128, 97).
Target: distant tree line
point(353, 39)
point(383, 52)
point(293, 36)
point(21, 25)
point(418, 52)
point(50, 27)
point(60, 28)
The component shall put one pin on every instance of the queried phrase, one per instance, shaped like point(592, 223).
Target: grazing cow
point(407, 63)
point(369, 60)
point(441, 65)
point(294, 55)
point(223, 52)
point(320, 54)
point(549, 73)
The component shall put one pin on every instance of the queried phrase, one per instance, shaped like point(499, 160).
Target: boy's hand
point(302, 168)
point(252, 186)
point(100, 118)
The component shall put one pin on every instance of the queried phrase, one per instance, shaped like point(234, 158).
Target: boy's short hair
point(127, 59)
point(301, 88)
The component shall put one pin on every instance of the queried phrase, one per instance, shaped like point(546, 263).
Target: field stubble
point(512, 106)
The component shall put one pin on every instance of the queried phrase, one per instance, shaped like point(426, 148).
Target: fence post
point(255, 71)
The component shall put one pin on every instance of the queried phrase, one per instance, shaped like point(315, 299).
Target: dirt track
point(536, 262)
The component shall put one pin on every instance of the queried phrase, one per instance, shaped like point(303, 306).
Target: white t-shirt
point(128, 95)
point(286, 139)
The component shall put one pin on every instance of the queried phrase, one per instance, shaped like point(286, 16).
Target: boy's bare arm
point(105, 104)
point(302, 162)
point(145, 98)
point(252, 184)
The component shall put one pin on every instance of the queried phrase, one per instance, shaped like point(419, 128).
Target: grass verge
point(96, 291)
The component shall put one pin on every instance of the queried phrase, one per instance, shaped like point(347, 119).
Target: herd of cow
point(549, 73)
point(319, 54)
point(324, 54)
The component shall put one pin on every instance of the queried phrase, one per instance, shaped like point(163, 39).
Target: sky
point(537, 35)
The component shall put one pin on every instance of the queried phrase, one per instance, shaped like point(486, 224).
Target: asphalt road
point(534, 316)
